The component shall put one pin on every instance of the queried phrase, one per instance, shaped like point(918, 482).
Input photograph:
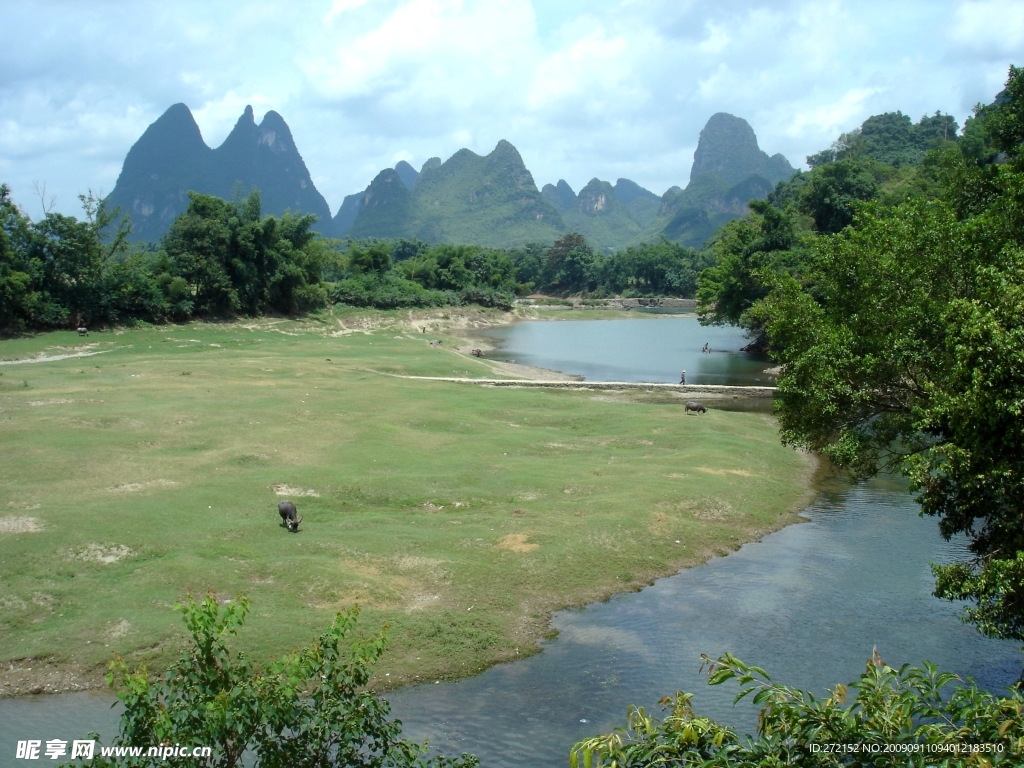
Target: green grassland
point(460, 515)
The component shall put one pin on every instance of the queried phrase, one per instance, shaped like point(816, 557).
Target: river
point(651, 349)
point(809, 603)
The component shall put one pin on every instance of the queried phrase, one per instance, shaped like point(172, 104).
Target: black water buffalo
point(478, 353)
point(289, 516)
point(83, 331)
point(695, 407)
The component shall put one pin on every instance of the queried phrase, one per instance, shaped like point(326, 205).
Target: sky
point(605, 88)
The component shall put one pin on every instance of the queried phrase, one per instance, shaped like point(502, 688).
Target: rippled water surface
point(649, 349)
point(808, 603)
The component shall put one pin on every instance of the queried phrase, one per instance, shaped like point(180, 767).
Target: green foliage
point(890, 138)
point(654, 269)
point(373, 260)
point(748, 253)
point(1006, 123)
point(218, 258)
point(832, 191)
point(908, 354)
point(571, 266)
point(311, 709)
point(234, 260)
point(921, 716)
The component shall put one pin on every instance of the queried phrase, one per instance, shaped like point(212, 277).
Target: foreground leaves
point(912, 717)
point(310, 710)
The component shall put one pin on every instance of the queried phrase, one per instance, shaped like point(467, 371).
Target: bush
point(311, 709)
point(912, 717)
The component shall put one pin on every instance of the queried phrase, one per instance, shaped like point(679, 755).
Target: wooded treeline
point(224, 258)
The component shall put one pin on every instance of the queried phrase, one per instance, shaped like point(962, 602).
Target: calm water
point(808, 603)
point(652, 349)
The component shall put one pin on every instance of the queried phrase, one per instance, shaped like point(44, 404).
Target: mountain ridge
point(487, 199)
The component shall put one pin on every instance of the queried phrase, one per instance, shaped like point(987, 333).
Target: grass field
point(459, 515)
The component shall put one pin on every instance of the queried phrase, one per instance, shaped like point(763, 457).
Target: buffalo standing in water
point(289, 516)
point(695, 407)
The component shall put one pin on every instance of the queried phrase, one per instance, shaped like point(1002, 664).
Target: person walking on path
point(682, 377)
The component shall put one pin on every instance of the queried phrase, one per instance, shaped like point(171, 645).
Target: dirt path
point(52, 358)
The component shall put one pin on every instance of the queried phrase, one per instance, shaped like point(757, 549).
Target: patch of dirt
point(106, 554)
point(518, 513)
point(50, 358)
point(12, 524)
point(136, 487)
point(516, 542)
point(22, 505)
point(724, 472)
point(119, 630)
point(419, 602)
point(53, 401)
point(530, 372)
point(412, 562)
point(24, 676)
point(283, 489)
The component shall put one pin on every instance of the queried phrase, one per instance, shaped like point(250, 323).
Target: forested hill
point(493, 200)
point(171, 158)
point(489, 200)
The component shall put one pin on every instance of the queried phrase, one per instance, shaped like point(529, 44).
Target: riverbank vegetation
point(908, 717)
point(224, 259)
point(311, 709)
point(895, 304)
point(459, 515)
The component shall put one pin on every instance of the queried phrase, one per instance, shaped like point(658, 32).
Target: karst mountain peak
point(490, 199)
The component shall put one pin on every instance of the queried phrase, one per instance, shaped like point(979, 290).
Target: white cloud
point(339, 7)
point(583, 88)
point(993, 29)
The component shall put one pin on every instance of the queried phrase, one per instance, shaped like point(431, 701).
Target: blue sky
point(599, 88)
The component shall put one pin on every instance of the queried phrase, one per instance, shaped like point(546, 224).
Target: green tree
point(374, 259)
point(919, 713)
point(748, 253)
point(833, 190)
point(233, 259)
point(19, 298)
point(653, 269)
point(310, 710)
point(571, 265)
point(910, 357)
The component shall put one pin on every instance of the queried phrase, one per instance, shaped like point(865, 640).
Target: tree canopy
point(901, 339)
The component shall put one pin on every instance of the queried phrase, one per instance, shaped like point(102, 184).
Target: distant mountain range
point(490, 200)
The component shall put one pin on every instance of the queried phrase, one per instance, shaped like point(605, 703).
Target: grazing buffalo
point(289, 516)
point(695, 407)
point(83, 331)
point(478, 353)
point(435, 343)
